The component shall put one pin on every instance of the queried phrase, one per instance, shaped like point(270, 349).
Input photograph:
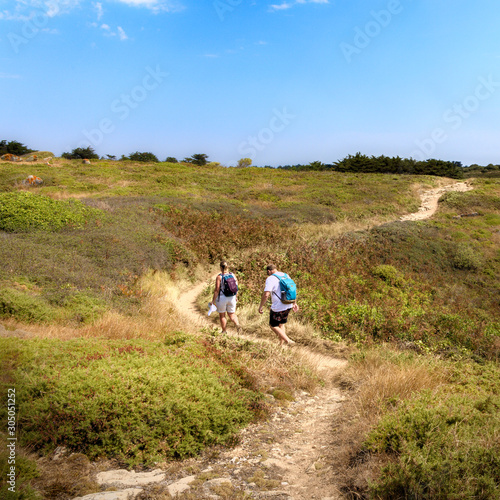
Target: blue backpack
point(288, 289)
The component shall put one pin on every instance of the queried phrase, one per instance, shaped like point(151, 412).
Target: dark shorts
point(278, 318)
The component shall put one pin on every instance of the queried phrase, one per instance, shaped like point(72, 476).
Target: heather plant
point(418, 426)
point(25, 212)
point(26, 471)
point(445, 443)
point(137, 401)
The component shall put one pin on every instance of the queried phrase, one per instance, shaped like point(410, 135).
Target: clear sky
point(279, 81)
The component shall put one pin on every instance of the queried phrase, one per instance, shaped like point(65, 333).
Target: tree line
point(360, 163)
point(147, 157)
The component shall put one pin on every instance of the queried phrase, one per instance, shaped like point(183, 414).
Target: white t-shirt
point(273, 285)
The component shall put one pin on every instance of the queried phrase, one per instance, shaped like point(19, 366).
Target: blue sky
point(279, 81)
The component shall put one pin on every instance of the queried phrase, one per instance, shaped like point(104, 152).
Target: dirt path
point(430, 200)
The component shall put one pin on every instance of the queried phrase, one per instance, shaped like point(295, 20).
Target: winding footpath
point(286, 457)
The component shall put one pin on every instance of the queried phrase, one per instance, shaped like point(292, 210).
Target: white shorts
point(226, 304)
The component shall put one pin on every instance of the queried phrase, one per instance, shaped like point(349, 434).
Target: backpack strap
point(220, 286)
point(279, 279)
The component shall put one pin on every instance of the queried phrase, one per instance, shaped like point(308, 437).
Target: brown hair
point(223, 265)
point(271, 267)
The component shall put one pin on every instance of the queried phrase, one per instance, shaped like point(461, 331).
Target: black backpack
point(228, 285)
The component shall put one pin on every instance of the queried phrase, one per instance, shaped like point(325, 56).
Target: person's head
point(223, 266)
point(271, 268)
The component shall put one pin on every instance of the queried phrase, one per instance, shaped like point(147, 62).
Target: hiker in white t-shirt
point(279, 311)
point(225, 304)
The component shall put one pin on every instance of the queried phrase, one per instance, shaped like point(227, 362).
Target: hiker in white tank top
point(225, 304)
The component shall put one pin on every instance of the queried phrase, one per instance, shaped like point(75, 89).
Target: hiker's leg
point(234, 319)
point(223, 321)
point(280, 331)
point(277, 322)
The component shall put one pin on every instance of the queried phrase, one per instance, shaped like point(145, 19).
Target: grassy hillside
point(98, 254)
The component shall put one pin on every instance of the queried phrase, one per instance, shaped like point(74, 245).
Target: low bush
point(25, 306)
point(418, 426)
point(24, 212)
point(136, 401)
point(445, 446)
point(26, 471)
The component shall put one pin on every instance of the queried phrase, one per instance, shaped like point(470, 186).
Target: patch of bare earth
point(430, 200)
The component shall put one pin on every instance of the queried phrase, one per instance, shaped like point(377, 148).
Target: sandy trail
point(430, 200)
point(293, 445)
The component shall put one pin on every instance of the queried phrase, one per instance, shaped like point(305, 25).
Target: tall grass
point(418, 428)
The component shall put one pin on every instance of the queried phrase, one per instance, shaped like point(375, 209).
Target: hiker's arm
point(263, 300)
point(217, 288)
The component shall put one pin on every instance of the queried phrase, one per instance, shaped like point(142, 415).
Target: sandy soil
point(430, 200)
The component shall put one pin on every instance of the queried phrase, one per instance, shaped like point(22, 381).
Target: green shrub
point(25, 212)
point(442, 444)
point(25, 306)
point(467, 257)
point(445, 447)
point(137, 401)
point(389, 274)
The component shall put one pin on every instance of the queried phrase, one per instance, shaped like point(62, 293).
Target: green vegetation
point(424, 432)
point(419, 427)
point(81, 154)
point(360, 163)
point(144, 157)
point(87, 269)
point(137, 401)
point(22, 212)
point(14, 148)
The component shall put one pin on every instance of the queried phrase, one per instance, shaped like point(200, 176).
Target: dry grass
point(378, 380)
point(314, 232)
point(158, 315)
point(65, 478)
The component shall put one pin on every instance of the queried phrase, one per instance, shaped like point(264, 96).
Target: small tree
point(145, 157)
point(244, 163)
point(14, 148)
point(197, 159)
point(171, 159)
point(81, 154)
